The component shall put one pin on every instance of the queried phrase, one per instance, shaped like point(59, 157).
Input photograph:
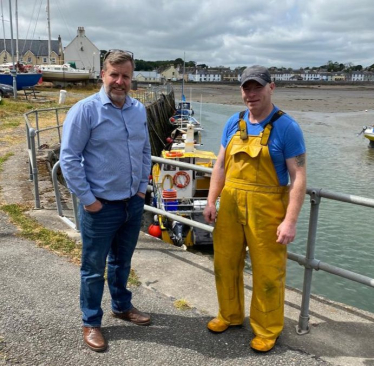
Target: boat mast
point(184, 67)
point(13, 71)
point(49, 33)
point(2, 19)
point(17, 53)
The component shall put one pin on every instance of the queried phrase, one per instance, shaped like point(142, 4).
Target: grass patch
point(10, 124)
point(3, 159)
point(55, 241)
point(182, 304)
point(133, 279)
point(2, 349)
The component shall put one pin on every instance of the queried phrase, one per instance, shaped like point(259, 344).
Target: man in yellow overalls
point(262, 149)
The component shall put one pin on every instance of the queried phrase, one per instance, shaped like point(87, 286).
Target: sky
point(230, 33)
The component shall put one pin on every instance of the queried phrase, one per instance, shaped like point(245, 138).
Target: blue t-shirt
point(286, 139)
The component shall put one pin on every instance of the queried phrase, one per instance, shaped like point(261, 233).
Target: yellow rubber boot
point(217, 325)
point(260, 344)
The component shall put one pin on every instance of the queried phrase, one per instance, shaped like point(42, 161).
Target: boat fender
point(174, 154)
point(186, 176)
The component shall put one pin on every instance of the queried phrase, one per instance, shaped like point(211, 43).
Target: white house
point(84, 53)
point(147, 76)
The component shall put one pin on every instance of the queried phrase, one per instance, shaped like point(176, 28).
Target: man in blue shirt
point(106, 160)
point(261, 148)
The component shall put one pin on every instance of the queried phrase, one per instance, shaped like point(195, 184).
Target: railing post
point(303, 325)
point(34, 166)
point(37, 126)
point(28, 138)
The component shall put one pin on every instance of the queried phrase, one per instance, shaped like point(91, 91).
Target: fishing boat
point(184, 108)
point(182, 120)
point(182, 191)
point(63, 73)
point(178, 137)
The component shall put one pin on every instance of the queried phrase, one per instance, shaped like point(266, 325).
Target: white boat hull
point(369, 133)
point(63, 73)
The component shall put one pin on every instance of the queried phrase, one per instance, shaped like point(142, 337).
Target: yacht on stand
point(63, 72)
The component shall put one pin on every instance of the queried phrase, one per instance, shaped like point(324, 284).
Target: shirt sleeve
point(229, 129)
point(146, 163)
point(76, 133)
point(295, 144)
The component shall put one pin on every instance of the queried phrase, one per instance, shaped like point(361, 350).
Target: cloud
point(291, 33)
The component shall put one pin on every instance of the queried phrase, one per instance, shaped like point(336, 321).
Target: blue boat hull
point(23, 80)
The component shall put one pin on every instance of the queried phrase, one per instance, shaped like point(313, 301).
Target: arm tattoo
point(300, 160)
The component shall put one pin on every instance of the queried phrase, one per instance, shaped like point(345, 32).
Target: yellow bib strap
point(243, 129)
point(265, 134)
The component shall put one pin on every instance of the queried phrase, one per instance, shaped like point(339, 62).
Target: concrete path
point(40, 317)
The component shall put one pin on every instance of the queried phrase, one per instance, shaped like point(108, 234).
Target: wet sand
point(316, 98)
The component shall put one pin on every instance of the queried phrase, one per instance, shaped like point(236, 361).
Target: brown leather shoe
point(134, 316)
point(94, 339)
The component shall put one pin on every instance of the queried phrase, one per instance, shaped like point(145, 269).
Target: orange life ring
point(174, 154)
point(186, 180)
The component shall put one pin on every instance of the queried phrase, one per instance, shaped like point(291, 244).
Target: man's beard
point(118, 98)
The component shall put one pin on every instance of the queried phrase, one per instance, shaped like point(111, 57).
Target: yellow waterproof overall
point(252, 206)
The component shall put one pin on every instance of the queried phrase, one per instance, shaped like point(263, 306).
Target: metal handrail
point(33, 143)
point(308, 261)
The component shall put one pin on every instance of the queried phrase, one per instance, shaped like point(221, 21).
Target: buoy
point(154, 230)
point(169, 140)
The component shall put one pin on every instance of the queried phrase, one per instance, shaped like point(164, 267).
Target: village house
point(83, 53)
point(147, 77)
point(31, 52)
point(170, 73)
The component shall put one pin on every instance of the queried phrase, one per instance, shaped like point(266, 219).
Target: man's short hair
point(116, 57)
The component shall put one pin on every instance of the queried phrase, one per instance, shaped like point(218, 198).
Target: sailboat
point(65, 72)
point(11, 75)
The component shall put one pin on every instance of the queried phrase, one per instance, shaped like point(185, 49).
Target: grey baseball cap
point(257, 73)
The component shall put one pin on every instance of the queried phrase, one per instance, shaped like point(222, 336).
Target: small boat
point(63, 73)
point(184, 108)
point(25, 76)
point(23, 80)
point(368, 132)
point(184, 192)
point(182, 120)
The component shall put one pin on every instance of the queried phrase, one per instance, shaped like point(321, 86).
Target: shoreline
point(316, 98)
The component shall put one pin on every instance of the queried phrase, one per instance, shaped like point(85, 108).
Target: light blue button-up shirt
point(105, 150)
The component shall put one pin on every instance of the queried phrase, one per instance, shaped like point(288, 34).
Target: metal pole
point(303, 326)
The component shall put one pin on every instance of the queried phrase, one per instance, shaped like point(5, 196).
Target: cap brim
point(259, 80)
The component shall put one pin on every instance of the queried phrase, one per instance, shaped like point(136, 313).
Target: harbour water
point(337, 160)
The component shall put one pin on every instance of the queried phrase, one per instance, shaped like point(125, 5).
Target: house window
point(53, 60)
point(44, 60)
point(29, 60)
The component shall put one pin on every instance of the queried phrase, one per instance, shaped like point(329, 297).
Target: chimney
point(81, 32)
